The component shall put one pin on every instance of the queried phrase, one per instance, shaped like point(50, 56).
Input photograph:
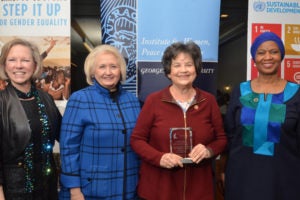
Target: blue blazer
point(94, 144)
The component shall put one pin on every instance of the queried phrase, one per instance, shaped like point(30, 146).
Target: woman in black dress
point(263, 127)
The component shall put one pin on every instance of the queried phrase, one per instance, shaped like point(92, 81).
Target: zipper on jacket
point(184, 177)
point(185, 126)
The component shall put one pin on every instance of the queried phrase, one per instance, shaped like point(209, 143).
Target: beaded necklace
point(46, 143)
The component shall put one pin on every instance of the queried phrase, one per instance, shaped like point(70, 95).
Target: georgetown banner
point(142, 29)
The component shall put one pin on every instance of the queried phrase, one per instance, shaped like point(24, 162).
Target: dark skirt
point(45, 187)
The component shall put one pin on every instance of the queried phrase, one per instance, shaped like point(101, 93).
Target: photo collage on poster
point(56, 73)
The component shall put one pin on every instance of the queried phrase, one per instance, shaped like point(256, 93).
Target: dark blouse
point(21, 127)
point(31, 109)
point(41, 192)
point(264, 145)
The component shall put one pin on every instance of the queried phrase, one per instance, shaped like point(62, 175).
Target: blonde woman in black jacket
point(29, 124)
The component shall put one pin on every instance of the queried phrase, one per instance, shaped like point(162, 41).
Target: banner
point(47, 24)
point(282, 18)
point(143, 29)
point(161, 23)
point(118, 24)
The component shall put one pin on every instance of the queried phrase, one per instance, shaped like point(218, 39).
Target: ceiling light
point(224, 15)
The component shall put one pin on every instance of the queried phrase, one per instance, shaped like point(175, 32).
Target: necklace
point(23, 95)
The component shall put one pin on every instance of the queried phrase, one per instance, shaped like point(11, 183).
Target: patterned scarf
point(46, 143)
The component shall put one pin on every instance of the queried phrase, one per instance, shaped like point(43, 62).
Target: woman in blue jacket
point(97, 161)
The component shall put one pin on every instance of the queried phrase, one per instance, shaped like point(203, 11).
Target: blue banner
point(143, 29)
point(161, 23)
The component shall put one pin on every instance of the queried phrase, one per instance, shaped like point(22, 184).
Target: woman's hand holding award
point(181, 142)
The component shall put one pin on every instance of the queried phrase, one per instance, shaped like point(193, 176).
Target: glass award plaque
point(181, 142)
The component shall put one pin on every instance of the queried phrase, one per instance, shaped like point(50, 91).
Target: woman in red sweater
point(180, 121)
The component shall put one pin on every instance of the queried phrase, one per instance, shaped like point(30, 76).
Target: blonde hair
point(89, 64)
point(34, 52)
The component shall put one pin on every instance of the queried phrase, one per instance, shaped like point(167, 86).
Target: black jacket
point(15, 130)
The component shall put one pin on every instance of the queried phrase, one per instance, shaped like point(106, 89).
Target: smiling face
point(183, 70)
point(107, 70)
point(268, 58)
point(20, 66)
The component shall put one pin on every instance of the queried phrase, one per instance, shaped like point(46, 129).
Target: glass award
point(181, 142)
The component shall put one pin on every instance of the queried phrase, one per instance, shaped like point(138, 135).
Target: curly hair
point(174, 49)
